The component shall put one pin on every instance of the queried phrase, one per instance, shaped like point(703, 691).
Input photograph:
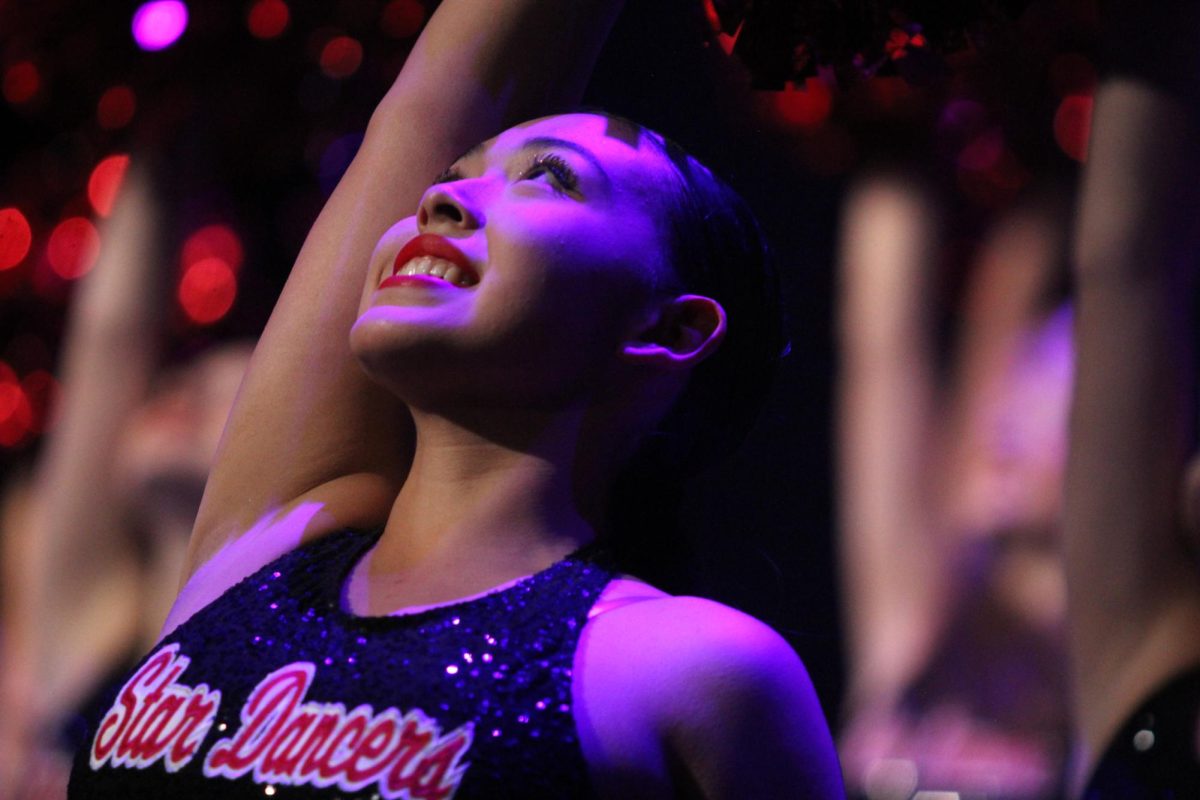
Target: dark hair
point(717, 250)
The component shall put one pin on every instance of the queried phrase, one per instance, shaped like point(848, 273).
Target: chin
point(387, 350)
point(385, 331)
point(422, 358)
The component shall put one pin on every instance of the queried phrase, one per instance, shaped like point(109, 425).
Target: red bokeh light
point(341, 57)
point(7, 375)
point(998, 185)
point(213, 241)
point(402, 19)
point(21, 82)
point(268, 18)
point(1073, 125)
point(105, 182)
point(207, 290)
point(74, 245)
point(807, 108)
point(982, 152)
point(116, 107)
point(16, 414)
point(712, 17)
point(888, 94)
point(900, 41)
point(15, 237)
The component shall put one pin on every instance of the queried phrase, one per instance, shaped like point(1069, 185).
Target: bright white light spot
point(157, 24)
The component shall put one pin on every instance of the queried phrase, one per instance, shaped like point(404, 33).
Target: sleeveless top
point(275, 690)
point(1153, 757)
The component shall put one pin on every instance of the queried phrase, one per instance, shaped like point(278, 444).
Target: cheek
point(566, 302)
point(598, 260)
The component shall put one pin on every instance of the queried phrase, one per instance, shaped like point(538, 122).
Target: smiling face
point(528, 265)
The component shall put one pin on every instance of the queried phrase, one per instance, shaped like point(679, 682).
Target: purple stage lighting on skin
point(158, 24)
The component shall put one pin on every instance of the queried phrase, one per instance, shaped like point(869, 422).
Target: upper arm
point(685, 697)
point(1134, 591)
point(743, 718)
point(885, 404)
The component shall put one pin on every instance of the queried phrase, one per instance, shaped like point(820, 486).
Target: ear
point(684, 331)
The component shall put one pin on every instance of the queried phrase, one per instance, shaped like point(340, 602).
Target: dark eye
point(558, 170)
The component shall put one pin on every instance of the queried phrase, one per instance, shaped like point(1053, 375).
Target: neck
point(480, 508)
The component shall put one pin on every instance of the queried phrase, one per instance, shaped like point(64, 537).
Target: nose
point(449, 207)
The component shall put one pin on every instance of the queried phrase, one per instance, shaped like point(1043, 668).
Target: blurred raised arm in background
point(95, 540)
point(1134, 589)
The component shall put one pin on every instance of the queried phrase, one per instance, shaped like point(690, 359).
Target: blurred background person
point(94, 538)
point(950, 477)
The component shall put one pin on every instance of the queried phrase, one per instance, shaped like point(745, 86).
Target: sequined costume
point(274, 690)
point(1154, 756)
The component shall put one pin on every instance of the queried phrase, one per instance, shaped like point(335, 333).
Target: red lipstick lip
point(414, 280)
point(430, 244)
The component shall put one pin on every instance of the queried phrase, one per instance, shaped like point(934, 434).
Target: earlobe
point(685, 331)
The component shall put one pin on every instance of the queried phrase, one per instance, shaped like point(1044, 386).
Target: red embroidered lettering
point(314, 755)
point(285, 740)
point(289, 746)
point(264, 714)
point(438, 774)
point(413, 741)
point(366, 764)
point(197, 718)
point(344, 742)
point(282, 738)
point(154, 717)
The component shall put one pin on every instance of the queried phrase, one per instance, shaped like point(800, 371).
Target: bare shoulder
point(686, 634)
point(717, 698)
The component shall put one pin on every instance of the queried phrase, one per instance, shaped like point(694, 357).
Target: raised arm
point(892, 570)
point(79, 556)
point(71, 564)
point(308, 428)
point(1134, 589)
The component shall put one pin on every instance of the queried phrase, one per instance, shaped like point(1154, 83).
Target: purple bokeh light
point(157, 24)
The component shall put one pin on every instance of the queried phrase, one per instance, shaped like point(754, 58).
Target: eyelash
point(558, 169)
point(565, 177)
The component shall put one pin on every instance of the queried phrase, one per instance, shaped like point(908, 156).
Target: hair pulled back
point(717, 250)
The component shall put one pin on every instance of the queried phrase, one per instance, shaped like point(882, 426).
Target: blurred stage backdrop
point(251, 110)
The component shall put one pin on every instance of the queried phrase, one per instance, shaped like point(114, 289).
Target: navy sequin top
point(274, 690)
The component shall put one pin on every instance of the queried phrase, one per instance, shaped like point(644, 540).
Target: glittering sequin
point(499, 665)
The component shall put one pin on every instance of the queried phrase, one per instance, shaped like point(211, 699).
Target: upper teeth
point(437, 268)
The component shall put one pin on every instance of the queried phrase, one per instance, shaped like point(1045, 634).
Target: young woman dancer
point(470, 409)
point(1131, 521)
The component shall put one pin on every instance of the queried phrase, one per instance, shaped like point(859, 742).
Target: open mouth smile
point(429, 259)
